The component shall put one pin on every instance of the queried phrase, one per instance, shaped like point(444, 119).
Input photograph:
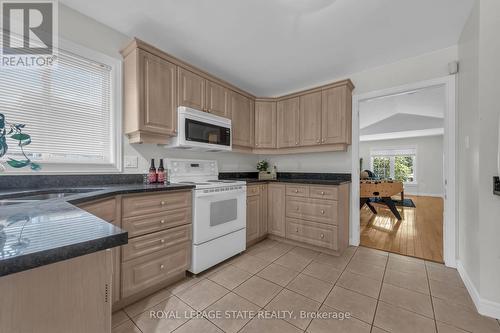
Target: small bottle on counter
point(161, 176)
point(152, 172)
point(274, 173)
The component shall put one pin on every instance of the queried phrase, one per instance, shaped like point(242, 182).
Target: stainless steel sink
point(34, 197)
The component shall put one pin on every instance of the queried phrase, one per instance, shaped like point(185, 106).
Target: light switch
point(130, 161)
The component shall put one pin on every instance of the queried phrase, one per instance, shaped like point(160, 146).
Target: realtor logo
point(29, 33)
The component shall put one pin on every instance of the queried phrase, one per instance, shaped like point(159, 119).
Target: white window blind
point(394, 152)
point(66, 109)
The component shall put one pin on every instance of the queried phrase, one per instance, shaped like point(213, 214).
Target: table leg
point(388, 201)
point(402, 195)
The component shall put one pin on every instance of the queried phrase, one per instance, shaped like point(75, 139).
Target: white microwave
point(198, 130)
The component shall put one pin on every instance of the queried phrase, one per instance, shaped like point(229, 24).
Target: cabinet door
point(276, 209)
point(288, 122)
point(253, 217)
point(216, 99)
point(265, 124)
point(336, 115)
point(310, 119)
point(242, 115)
point(191, 90)
point(159, 104)
point(264, 206)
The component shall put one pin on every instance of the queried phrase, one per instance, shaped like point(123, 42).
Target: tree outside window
point(394, 164)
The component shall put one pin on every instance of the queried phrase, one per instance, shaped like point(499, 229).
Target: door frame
point(449, 162)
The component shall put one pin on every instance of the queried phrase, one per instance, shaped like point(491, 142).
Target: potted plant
point(262, 166)
point(14, 132)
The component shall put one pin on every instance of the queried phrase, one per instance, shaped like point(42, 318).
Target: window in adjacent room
point(397, 164)
point(70, 110)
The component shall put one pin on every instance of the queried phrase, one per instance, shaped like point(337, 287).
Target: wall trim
point(483, 306)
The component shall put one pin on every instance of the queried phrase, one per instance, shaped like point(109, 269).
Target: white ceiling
point(271, 47)
point(414, 113)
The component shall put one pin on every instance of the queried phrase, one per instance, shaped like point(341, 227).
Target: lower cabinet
point(276, 209)
point(256, 212)
point(159, 245)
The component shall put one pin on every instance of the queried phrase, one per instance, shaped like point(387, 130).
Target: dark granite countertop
point(42, 232)
point(292, 177)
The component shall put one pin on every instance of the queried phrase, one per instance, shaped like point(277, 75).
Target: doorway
point(404, 151)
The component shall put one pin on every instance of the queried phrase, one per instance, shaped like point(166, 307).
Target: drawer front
point(147, 271)
point(143, 245)
point(105, 209)
point(297, 190)
point(253, 190)
point(155, 203)
point(316, 210)
point(312, 233)
point(141, 225)
point(323, 192)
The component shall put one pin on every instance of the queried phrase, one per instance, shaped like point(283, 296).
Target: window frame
point(115, 133)
point(392, 159)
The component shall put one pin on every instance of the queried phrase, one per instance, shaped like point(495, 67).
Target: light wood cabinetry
point(159, 247)
point(256, 212)
point(276, 209)
point(191, 89)
point(336, 115)
point(217, 99)
point(265, 124)
point(150, 98)
point(310, 119)
point(242, 115)
point(288, 122)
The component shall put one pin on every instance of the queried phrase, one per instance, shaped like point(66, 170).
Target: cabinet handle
point(322, 236)
point(162, 203)
point(297, 143)
point(162, 266)
point(296, 191)
point(322, 211)
point(296, 229)
point(322, 140)
point(256, 145)
point(162, 221)
point(162, 241)
point(322, 193)
point(318, 141)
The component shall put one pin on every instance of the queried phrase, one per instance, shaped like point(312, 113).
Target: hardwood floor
point(419, 234)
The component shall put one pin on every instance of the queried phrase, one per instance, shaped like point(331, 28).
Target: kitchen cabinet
point(310, 119)
point(217, 99)
point(109, 210)
point(150, 110)
point(276, 209)
point(336, 116)
point(242, 115)
point(288, 122)
point(191, 89)
point(257, 203)
point(265, 124)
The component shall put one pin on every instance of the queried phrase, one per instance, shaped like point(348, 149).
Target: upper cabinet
point(336, 115)
point(310, 119)
point(216, 99)
point(265, 124)
point(288, 122)
point(191, 89)
point(241, 109)
point(150, 98)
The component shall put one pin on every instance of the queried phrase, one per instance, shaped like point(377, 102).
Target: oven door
point(218, 213)
point(198, 131)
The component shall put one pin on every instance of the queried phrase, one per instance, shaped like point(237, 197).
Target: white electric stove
point(219, 211)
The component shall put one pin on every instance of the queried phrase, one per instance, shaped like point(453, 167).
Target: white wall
point(478, 113)
point(429, 164)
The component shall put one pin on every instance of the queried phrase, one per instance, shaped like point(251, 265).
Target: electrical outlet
point(131, 161)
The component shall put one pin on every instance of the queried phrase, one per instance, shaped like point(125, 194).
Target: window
point(70, 110)
point(397, 164)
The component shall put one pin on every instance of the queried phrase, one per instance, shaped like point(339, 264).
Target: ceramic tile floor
point(381, 291)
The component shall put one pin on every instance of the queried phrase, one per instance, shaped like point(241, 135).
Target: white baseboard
point(438, 195)
point(483, 306)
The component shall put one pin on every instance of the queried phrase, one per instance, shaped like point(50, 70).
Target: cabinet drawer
point(105, 209)
point(323, 192)
point(155, 203)
point(143, 245)
point(141, 225)
point(253, 190)
point(316, 210)
point(297, 190)
point(147, 271)
point(312, 233)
